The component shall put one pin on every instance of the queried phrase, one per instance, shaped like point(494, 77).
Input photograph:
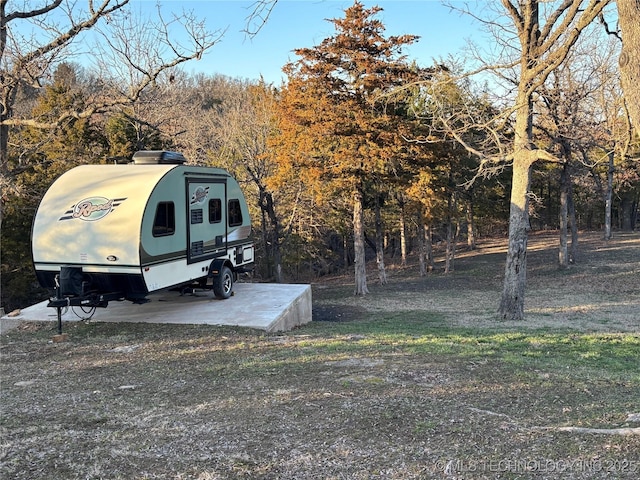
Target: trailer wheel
point(223, 283)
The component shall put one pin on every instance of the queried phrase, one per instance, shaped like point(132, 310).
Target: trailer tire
point(223, 283)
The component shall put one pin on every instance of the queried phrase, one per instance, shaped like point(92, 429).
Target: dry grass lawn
point(417, 380)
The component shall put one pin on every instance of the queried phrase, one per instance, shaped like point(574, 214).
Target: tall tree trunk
point(608, 198)
point(7, 100)
point(563, 253)
point(358, 244)
point(382, 273)
point(629, 61)
point(428, 244)
point(515, 275)
point(450, 248)
point(267, 206)
point(573, 249)
point(265, 242)
point(403, 233)
point(422, 250)
point(471, 226)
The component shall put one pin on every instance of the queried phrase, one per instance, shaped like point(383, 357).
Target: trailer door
point(206, 218)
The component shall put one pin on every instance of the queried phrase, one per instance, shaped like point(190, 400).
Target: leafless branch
point(260, 12)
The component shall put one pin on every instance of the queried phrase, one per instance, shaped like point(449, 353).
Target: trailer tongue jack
point(70, 292)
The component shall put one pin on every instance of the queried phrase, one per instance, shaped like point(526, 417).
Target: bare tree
point(534, 38)
point(629, 60)
point(543, 48)
point(582, 117)
point(611, 132)
point(26, 59)
point(247, 123)
point(226, 122)
point(55, 31)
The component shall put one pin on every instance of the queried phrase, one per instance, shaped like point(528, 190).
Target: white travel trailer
point(116, 232)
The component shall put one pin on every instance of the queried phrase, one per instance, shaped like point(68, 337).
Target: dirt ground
point(417, 380)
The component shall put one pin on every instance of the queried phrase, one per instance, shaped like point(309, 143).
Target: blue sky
point(302, 23)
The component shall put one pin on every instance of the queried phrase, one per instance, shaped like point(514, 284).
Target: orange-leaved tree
point(340, 130)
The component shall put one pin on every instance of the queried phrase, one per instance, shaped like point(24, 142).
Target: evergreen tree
point(339, 129)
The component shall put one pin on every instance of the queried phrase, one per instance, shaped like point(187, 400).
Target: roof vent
point(157, 157)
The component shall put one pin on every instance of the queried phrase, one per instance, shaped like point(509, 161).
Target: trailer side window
point(164, 222)
point(235, 214)
point(215, 210)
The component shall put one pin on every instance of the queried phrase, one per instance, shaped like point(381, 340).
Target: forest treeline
point(361, 155)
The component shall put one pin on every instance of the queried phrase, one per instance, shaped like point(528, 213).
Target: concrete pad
point(265, 306)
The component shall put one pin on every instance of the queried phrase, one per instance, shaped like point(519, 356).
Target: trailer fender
point(216, 266)
point(223, 276)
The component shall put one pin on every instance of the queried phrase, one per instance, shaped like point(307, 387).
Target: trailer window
point(164, 222)
point(215, 210)
point(235, 214)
